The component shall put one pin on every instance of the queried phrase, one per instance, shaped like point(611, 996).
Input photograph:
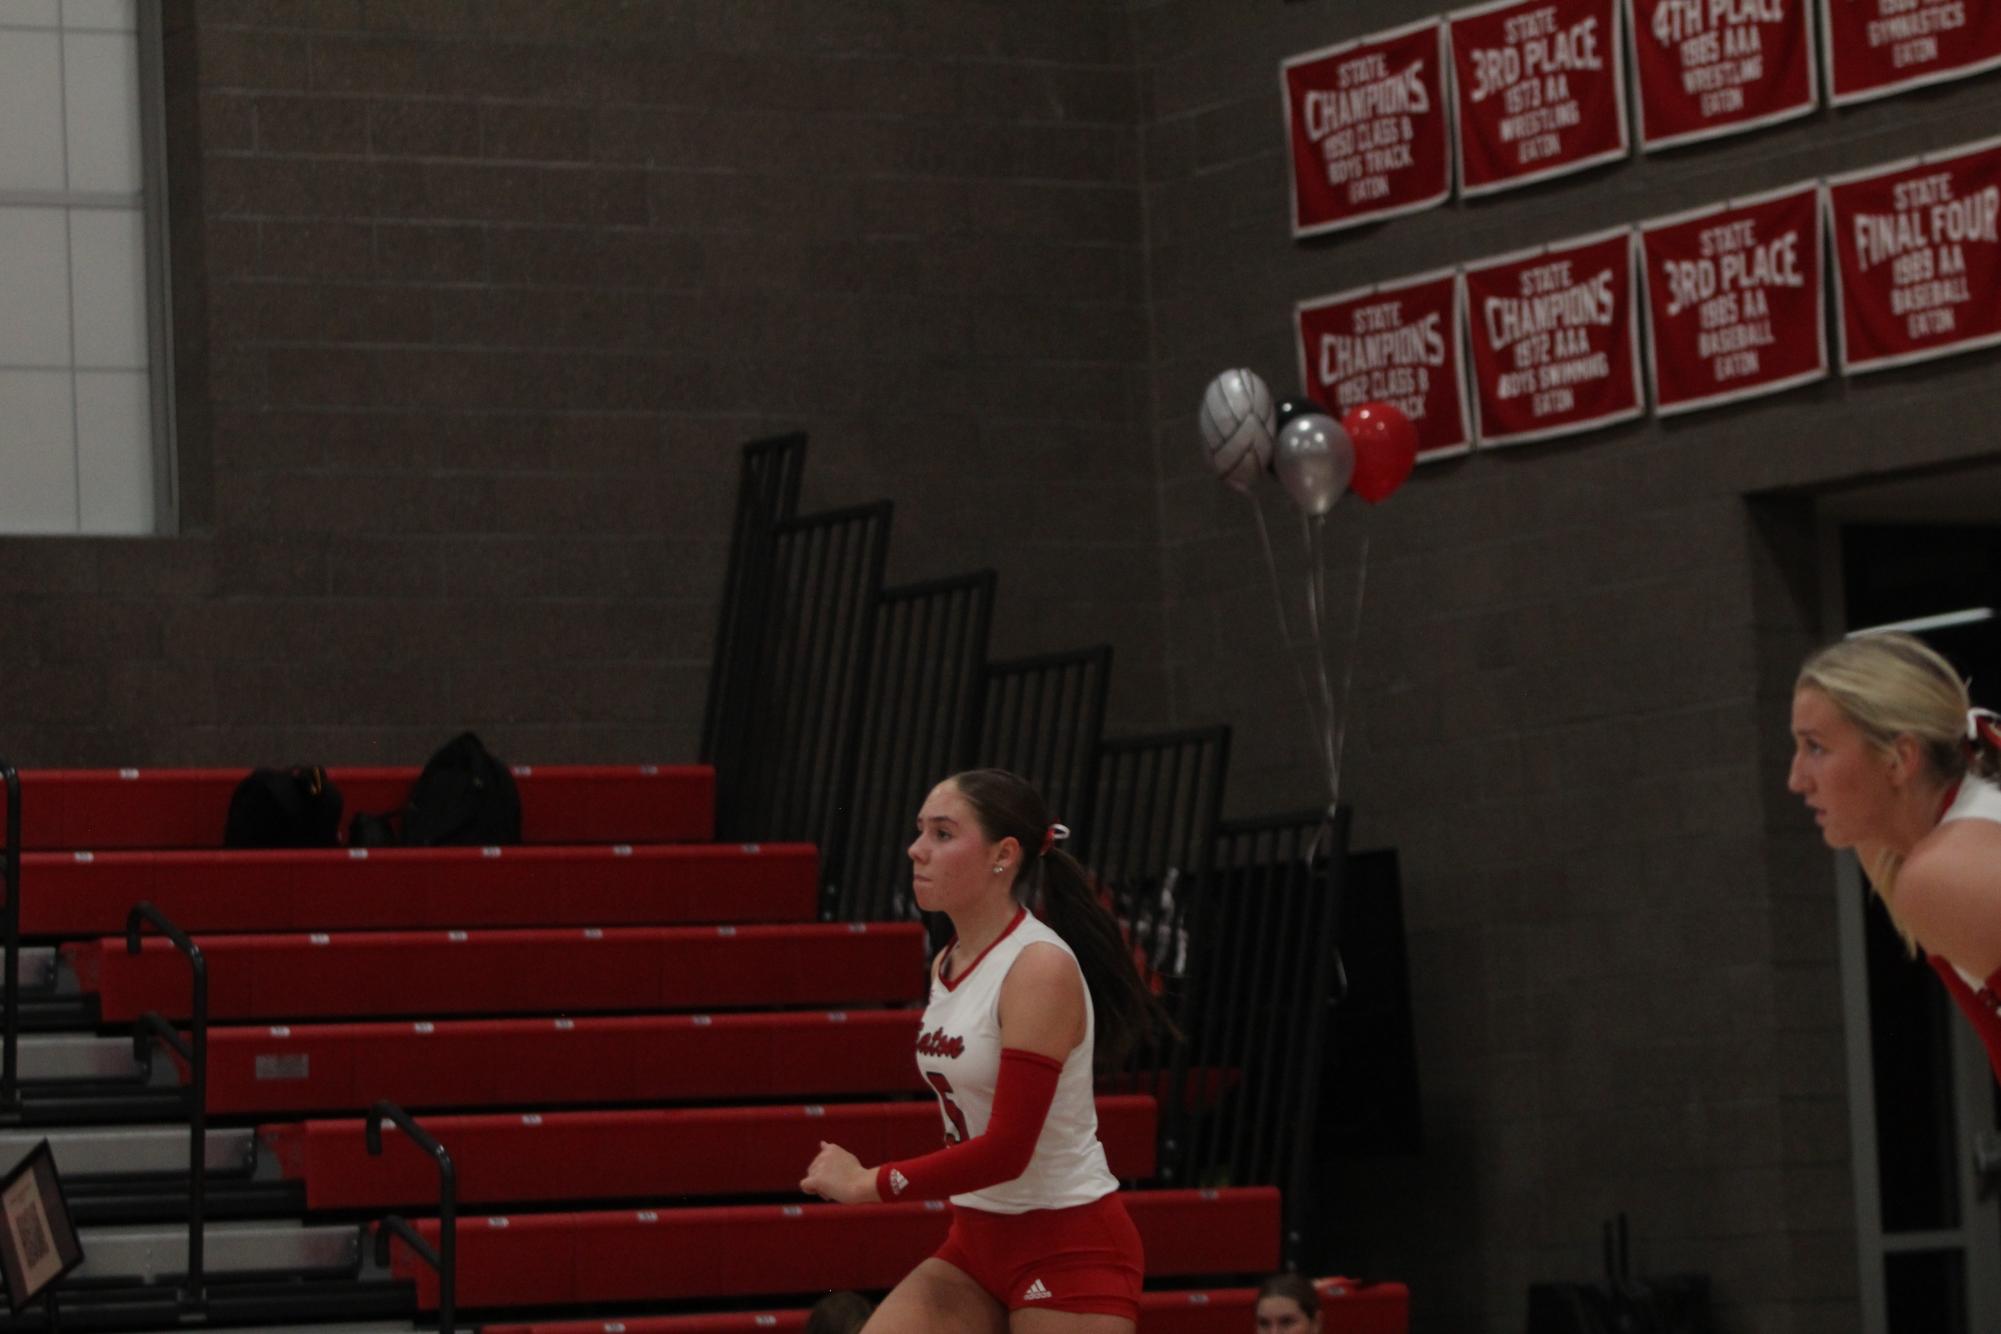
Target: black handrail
point(444, 1258)
point(10, 923)
point(152, 1026)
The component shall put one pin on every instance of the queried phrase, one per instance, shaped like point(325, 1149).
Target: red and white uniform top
point(1978, 998)
point(959, 1052)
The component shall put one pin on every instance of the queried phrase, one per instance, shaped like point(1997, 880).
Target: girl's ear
point(1905, 753)
point(1906, 759)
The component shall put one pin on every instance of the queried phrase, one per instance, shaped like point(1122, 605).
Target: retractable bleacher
point(1346, 1308)
point(628, 1038)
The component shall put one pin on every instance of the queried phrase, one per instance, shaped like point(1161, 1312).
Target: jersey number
point(958, 1134)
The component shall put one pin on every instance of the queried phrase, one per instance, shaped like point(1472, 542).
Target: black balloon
point(1292, 405)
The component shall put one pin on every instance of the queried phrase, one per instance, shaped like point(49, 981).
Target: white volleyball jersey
point(958, 1053)
point(1978, 799)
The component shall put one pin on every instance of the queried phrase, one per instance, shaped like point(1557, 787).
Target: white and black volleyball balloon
point(1236, 422)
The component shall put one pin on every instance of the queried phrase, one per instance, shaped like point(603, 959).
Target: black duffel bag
point(284, 808)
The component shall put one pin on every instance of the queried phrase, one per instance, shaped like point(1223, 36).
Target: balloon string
point(1348, 673)
point(1271, 566)
point(1278, 600)
point(1315, 580)
point(1326, 631)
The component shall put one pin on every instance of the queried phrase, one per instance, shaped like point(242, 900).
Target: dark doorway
point(1945, 575)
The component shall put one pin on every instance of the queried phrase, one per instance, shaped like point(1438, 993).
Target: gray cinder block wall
point(475, 299)
point(1569, 710)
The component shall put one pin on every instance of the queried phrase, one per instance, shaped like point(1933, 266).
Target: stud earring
point(999, 867)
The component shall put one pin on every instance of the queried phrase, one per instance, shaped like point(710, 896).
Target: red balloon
point(1385, 449)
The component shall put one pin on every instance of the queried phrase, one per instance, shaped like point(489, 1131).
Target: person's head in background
point(1880, 724)
point(838, 1313)
point(1288, 1304)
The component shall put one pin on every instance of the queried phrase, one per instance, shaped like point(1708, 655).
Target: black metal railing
point(444, 1257)
point(1042, 718)
point(814, 636)
point(10, 924)
point(1154, 806)
point(767, 495)
point(916, 723)
point(1263, 975)
point(153, 1027)
point(1147, 835)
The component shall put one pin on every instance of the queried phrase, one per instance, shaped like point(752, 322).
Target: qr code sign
point(35, 1243)
point(32, 1235)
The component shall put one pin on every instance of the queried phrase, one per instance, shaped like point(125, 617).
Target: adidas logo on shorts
point(1036, 1292)
point(898, 1183)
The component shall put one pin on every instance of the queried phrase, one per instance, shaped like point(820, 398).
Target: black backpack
point(284, 808)
point(463, 797)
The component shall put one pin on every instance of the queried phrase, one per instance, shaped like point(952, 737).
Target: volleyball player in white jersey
point(1023, 1003)
point(1895, 765)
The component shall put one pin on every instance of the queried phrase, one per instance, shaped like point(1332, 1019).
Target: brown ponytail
point(1059, 890)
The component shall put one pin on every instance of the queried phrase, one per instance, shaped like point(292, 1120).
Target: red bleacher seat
point(649, 1255)
point(1346, 1308)
point(89, 893)
point(534, 1062)
point(103, 809)
point(630, 1154)
point(575, 970)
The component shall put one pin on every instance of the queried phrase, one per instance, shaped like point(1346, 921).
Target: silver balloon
point(1315, 459)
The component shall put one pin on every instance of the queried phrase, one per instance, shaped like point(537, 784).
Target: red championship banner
point(1556, 339)
point(1708, 68)
point(1874, 48)
point(1733, 300)
point(1917, 257)
point(1540, 87)
point(1393, 343)
point(1369, 132)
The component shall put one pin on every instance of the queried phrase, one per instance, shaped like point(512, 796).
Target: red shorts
point(1086, 1260)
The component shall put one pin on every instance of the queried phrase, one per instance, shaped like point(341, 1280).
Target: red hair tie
point(1051, 836)
point(1982, 728)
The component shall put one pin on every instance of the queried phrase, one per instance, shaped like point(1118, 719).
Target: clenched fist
point(837, 1175)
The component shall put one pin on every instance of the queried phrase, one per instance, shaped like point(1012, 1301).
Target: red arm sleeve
point(1023, 1090)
